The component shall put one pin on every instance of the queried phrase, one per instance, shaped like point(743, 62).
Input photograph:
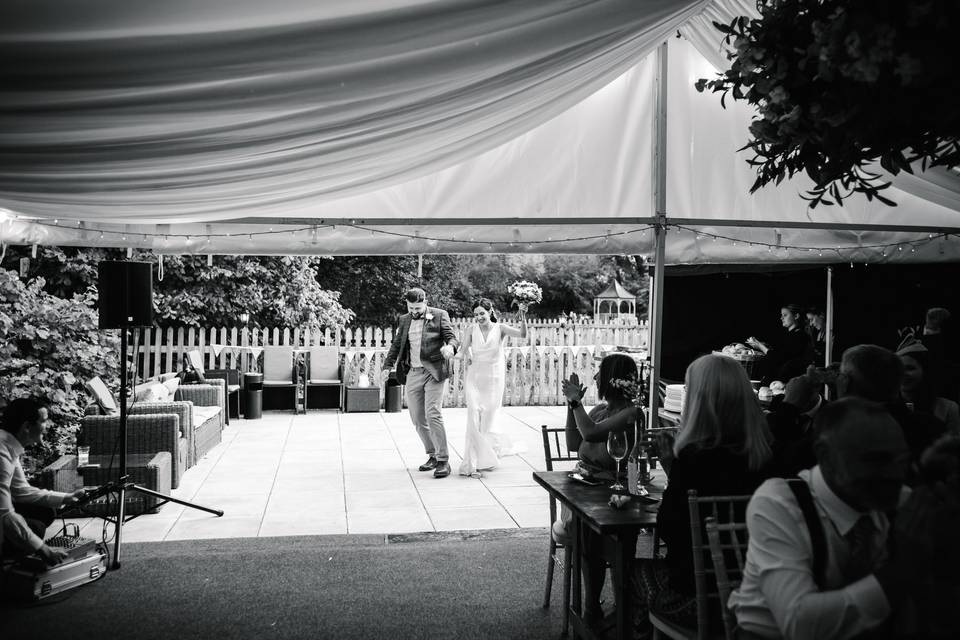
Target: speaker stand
point(122, 486)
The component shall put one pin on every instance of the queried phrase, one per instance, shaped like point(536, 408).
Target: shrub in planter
point(48, 347)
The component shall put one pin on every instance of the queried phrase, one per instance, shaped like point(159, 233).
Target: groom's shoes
point(442, 470)
point(431, 463)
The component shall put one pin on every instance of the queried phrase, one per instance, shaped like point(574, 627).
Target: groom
point(422, 346)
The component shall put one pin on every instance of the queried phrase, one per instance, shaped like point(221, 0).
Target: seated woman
point(587, 434)
point(790, 356)
point(722, 448)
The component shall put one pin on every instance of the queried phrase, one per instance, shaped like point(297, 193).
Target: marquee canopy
point(407, 126)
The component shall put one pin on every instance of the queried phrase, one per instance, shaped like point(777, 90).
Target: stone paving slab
point(328, 473)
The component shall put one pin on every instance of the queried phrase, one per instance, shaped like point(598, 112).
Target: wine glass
point(617, 448)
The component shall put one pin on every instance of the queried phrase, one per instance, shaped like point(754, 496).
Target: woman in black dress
point(792, 354)
point(723, 448)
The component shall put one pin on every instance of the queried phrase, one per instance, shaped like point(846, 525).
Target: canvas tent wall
point(398, 126)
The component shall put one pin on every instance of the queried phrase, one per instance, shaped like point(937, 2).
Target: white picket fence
point(535, 365)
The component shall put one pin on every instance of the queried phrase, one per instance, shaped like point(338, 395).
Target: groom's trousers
point(424, 400)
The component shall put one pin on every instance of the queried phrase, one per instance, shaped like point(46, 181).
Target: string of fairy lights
point(464, 237)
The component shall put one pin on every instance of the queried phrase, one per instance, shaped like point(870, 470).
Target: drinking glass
point(83, 456)
point(617, 448)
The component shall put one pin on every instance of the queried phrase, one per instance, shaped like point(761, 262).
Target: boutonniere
point(429, 316)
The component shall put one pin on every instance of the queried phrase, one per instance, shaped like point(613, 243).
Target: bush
point(48, 347)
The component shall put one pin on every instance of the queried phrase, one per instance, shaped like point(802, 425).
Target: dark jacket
point(789, 357)
point(712, 472)
point(437, 331)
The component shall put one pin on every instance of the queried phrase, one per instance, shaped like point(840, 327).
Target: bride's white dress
point(483, 387)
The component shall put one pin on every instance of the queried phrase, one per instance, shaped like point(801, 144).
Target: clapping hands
point(572, 389)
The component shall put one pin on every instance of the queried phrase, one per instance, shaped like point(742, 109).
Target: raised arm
point(590, 430)
point(514, 332)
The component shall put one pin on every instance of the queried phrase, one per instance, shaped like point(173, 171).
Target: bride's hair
point(487, 304)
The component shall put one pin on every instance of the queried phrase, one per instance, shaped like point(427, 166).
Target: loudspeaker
point(126, 294)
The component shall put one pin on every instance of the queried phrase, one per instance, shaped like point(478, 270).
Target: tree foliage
point(276, 291)
point(839, 84)
point(373, 286)
point(49, 346)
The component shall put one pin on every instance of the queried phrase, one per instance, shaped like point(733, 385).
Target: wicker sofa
point(187, 427)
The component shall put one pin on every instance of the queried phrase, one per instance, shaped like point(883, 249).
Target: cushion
point(102, 396)
point(195, 360)
point(172, 385)
point(154, 392)
point(202, 414)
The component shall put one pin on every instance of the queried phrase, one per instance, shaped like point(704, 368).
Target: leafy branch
point(839, 85)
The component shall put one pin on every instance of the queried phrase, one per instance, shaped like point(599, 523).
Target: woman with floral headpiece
point(586, 433)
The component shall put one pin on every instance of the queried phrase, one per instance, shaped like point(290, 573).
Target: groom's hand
point(446, 351)
point(384, 376)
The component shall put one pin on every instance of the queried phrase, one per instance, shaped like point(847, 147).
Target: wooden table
point(590, 508)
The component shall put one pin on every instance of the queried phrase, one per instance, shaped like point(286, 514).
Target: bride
point(484, 374)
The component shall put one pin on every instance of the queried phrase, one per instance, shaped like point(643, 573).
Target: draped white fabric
point(199, 110)
point(397, 126)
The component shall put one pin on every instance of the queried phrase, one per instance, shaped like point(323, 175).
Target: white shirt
point(414, 334)
point(14, 487)
point(778, 597)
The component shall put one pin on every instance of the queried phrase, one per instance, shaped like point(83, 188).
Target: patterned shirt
point(415, 335)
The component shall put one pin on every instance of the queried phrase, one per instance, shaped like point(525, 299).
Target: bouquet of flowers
point(524, 294)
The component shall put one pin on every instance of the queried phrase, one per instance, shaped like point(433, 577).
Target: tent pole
point(655, 308)
point(828, 326)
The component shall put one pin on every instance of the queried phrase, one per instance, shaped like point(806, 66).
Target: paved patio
point(335, 473)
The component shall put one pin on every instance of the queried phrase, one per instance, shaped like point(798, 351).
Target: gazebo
point(615, 304)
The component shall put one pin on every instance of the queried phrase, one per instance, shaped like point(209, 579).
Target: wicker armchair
point(207, 434)
point(146, 433)
point(164, 426)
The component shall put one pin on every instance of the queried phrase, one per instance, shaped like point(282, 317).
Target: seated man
point(834, 578)
point(25, 511)
point(866, 371)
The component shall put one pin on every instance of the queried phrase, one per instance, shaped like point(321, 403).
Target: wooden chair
point(278, 370)
point(555, 450)
point(325, 370)
point(726, 509)
point(727, 540)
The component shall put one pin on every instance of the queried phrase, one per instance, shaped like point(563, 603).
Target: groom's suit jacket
point(437, 331)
